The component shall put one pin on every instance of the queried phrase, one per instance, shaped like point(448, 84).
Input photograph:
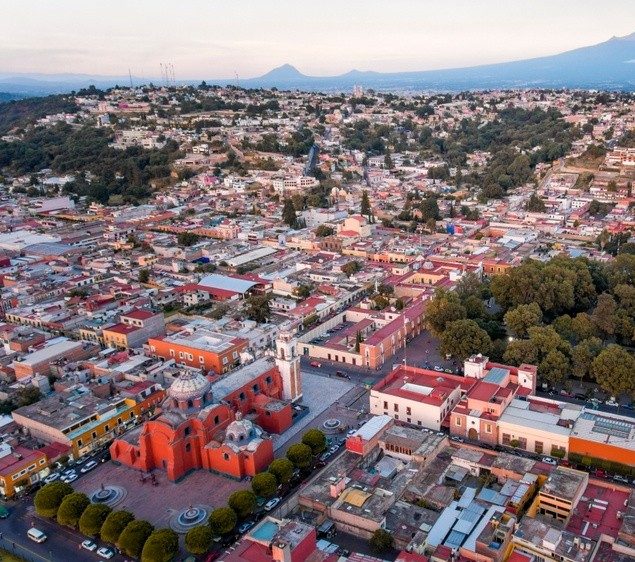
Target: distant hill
point(609, 65)
point(7, 96)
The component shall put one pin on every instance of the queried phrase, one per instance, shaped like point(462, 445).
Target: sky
point(223, 38)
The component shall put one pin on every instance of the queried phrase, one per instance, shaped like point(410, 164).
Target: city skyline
point(257, 36)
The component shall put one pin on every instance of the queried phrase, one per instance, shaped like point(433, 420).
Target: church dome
point(239, 430)
point(189, 386)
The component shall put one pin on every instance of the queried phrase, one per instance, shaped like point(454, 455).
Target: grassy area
point(8, 557)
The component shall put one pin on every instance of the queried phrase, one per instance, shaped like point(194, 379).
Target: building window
point(488, 428)
point(396, 407)
point(396, 416)
point(216, 420)
point(538, 447)
point(256, 388)
point(187, 431)
point(408, 411)
point(506, 439)
point(225, 360)
point(188, 447)
point(418, 422)
point(79, 442)
point(385, 405)
point(94, 435)
point(457, 422)
point(106, 428)
point(241, 396)
point(226, 456)
point(268, 380)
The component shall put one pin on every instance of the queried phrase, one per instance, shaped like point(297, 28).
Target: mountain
point(607, 65)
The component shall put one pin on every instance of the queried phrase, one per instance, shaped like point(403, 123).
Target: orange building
point(203, 349)
point(212, 426)
point(601, 435)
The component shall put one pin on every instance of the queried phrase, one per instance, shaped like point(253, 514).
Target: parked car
point(4, 512)
point(89, 545)
point(438, 369)
point(246, 526)
point(88, 467)
point(69, 471)
point(549, 460)
point(457, 439)
point(69, 477)
point(52, 477)
point(342, 375)
point(316, 364)
point(621, 479)
point(273, 502)
point(105, 552)
point(36, 535)
point(612, 402)
point(599, 473)
point(351, 432)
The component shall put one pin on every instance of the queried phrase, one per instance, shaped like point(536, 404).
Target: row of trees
point(242, 503)
point(567, 316)
point(134, 537)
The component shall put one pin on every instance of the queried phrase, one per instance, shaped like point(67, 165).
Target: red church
point(220, 425)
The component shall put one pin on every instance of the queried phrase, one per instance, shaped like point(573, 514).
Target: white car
point(52, 477)
point(549, 460)
point(36, 535)
point(89, 545)
point(69, 477)
point(273, 502)
point(105, 552)
point(88, 467)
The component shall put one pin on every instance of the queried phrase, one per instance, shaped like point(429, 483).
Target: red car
point(315, 364)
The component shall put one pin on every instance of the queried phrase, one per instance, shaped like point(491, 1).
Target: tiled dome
point(189, 386)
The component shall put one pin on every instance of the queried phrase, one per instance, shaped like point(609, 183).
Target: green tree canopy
point(264, 485)
point(114, 524)
point(222, 520)
point(381, 541)
point(134, 536)
point(518, 320)
point(288, 213)
point(555, 367)
point(613, 370)
point(161, 546)
point(243, 502)
point(258, 308)
point(71, 509)
point(198, 540)
point(300, 455)
point(463, 338)
point(351, 267)
point(315, 439)
point(48, 498)
point(582, 356)
point(93, 518)
point(445, 307)
point(282, 469)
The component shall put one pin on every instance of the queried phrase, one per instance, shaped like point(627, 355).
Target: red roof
point(139, 314)
point(122, 328)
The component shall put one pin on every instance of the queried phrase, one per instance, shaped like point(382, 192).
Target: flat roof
point(602, 427)
point(227, 283)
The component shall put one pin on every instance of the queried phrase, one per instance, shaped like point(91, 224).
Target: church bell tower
point(288, 364)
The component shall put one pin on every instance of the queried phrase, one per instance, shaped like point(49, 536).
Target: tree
point(49, 498)
point(302, 291)
point(258, 308)
point(365, 209)
point(243, 502)
point(518, 320)
point(114, 524)
point(71, 509)
point(535, 204)
point(582, 356)
point(264, 485)
point(429, 209)
point(198, 540)
point(288, 213)
point(381, 541)
point(315, 439)
point(443, 308)
point(222, 521)
point(358, 342)
point(555, 367)
point(613, 370)
point(92, 520)
point(351, 267)
point(300, 455)
point(463, 338)
point(582, 326)
point(161, 546)
point(144, 275)
point(187, 238)
point(603, 316)
point(282, 469)
point(323, 231)
point(134, 536)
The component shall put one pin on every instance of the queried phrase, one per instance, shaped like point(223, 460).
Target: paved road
point(621, 410)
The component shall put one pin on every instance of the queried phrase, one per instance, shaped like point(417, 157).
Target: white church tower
point(288, 364)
